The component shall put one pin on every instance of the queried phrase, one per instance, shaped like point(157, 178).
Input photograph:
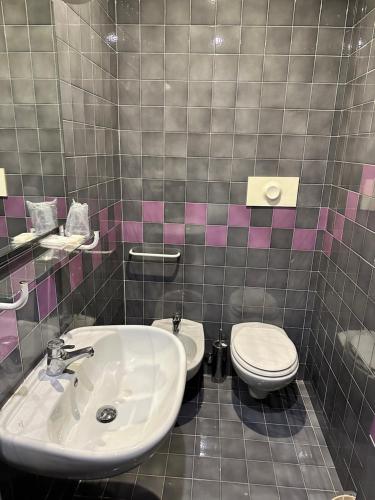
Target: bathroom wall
point(82, 288)
point(211, 93)
point(30, 134)
point(341, 358)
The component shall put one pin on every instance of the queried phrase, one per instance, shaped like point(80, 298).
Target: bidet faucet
point(176, 320)
point(58, 359)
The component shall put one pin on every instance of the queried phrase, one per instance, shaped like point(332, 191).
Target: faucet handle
point(68, 346)
point(176, 317)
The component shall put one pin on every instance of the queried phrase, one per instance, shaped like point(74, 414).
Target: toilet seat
point(263, 350)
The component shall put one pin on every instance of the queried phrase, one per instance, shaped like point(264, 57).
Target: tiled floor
point(227, 446)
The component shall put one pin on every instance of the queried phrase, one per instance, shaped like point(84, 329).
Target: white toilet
point(263, 357)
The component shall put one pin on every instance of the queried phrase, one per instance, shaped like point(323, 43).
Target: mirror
point(31, 146)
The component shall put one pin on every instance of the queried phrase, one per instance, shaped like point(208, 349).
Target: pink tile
point(284, 218)
point(216, 236)
point(338, 226)
point(96, 256)
point(118, 211)
point(323, 218)
point(103, 221)
point(14, 206)
point(327, 243)
point(367, 185)
point(351, 207)
point(3, 227)
point(259, 237)
point(304, 239)
point(76, 271)
point(153, 211)
point(8, 333)
point(196, 213)
point(174, 234)
point(112, 239)
point(239, 216)
point(46, 295)
point(132, 232)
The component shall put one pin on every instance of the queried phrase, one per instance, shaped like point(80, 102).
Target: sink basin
point(191, 335)
point(49, 425)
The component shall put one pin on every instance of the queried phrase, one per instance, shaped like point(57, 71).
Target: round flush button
point(272, 191)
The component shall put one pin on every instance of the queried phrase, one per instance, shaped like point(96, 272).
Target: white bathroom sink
point(191, 335)
point(49, 425)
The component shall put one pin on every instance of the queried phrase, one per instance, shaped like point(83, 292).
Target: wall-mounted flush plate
point(3, 184)
point(272, 191)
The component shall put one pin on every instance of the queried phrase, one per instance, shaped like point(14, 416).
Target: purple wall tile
point(103, 221)
point(112, 239)
point(351, 207)
point(327, 243)
point(174, 234)
point(96, 256)
point(61, 206)
point(46, 295)
point(8, 333)
point(323, 218)
point(132, 232)
point(76, 271)
point(239, 216)
point(284, 218)
point(259, 237)
point(196, 213)
point(3, 227)
point(216, 236)
point(153, 211)
point(338, 226)
point(367, 186)
point(118, 211)
point(304, 239)
point(14, 206)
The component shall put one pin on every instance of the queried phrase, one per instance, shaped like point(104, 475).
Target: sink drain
point(106, 414)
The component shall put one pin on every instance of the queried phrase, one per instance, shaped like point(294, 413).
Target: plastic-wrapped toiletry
point(43, 215)
point(77, 221)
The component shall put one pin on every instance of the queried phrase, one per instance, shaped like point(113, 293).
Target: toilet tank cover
point(265, 347)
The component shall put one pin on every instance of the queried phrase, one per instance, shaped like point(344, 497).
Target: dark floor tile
point(284, 453)
point(230, 412)
point(309, 455)
point(255, 431)
point(232, 448)
point(207, 446)
point(91, 488)
point(234, 491)
point(231, 429)
point(208, 410)
point(207, 468)
point(209, 395)
point(177, 488)
point(297, 417)
point(209, 490)
point(188, 409)
point(207, 427)
point(275, 417)
point(261, 473)
point(258, 492)
point(252, 414)
point(179, 466)
point(154, 466)
point(293, 494)
point(316, 477)
point(120, 487)
point(327, 456)
point(185, 425)
point(164, 445)
point(233, 470)
point(258, 450)
point(288, 475)
point(228, 397)
point(148, 488)
point(182, 444)
point(279, 433)
point(304, 435)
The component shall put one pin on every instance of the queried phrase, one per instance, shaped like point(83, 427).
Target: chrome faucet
point(176, 320)
point(58, 359)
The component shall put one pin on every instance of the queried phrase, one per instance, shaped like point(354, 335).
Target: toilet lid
point(267, 348)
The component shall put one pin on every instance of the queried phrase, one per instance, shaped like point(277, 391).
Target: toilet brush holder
point(219, 360)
